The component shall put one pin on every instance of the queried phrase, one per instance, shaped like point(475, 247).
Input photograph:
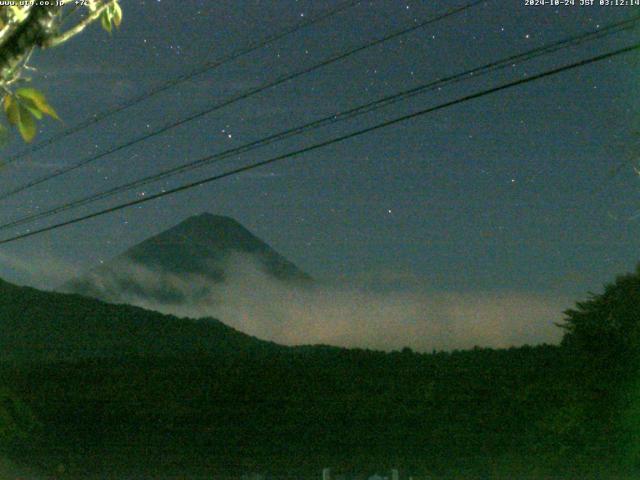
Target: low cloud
point(41, 271)
point(376, 311)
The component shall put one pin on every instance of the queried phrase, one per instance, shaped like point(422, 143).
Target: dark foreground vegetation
point(90, 390)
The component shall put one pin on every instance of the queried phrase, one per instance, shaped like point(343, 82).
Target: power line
point(338, 117)
point(207, 66)
point(317, 146)
point(242, 96)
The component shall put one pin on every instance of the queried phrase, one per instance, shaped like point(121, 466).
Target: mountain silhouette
point(181, 264)
point(51, 326)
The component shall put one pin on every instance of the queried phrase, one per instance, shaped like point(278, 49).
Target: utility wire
point(246, 94)
point(201, 69)
point(326, 143)
point(338, 117)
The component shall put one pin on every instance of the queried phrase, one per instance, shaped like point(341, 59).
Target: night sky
point(511, 192)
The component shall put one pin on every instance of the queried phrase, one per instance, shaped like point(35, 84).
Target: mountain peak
point(204, 245)
point(209, 225)
point(210, 219)
point(203, 236)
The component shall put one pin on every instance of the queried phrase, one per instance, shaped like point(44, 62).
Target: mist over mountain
point(116, 391)
point(182, 264)
point(49, 326)
point(210, 266)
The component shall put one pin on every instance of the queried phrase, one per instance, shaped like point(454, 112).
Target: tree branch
point(33, 32)
point(10, 23)
point(72, 32)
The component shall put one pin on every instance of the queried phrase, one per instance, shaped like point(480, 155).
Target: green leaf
point(31, 93)
point(34, 99)
point(20, 116)
point(27, 124)
point(25, 107)
point(33, 110)
point(117, 14)
point(105, 20)
point(11, 109)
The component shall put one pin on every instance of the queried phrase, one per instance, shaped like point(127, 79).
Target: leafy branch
point(25, 107)
point(26, 28)
point(109, 13)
